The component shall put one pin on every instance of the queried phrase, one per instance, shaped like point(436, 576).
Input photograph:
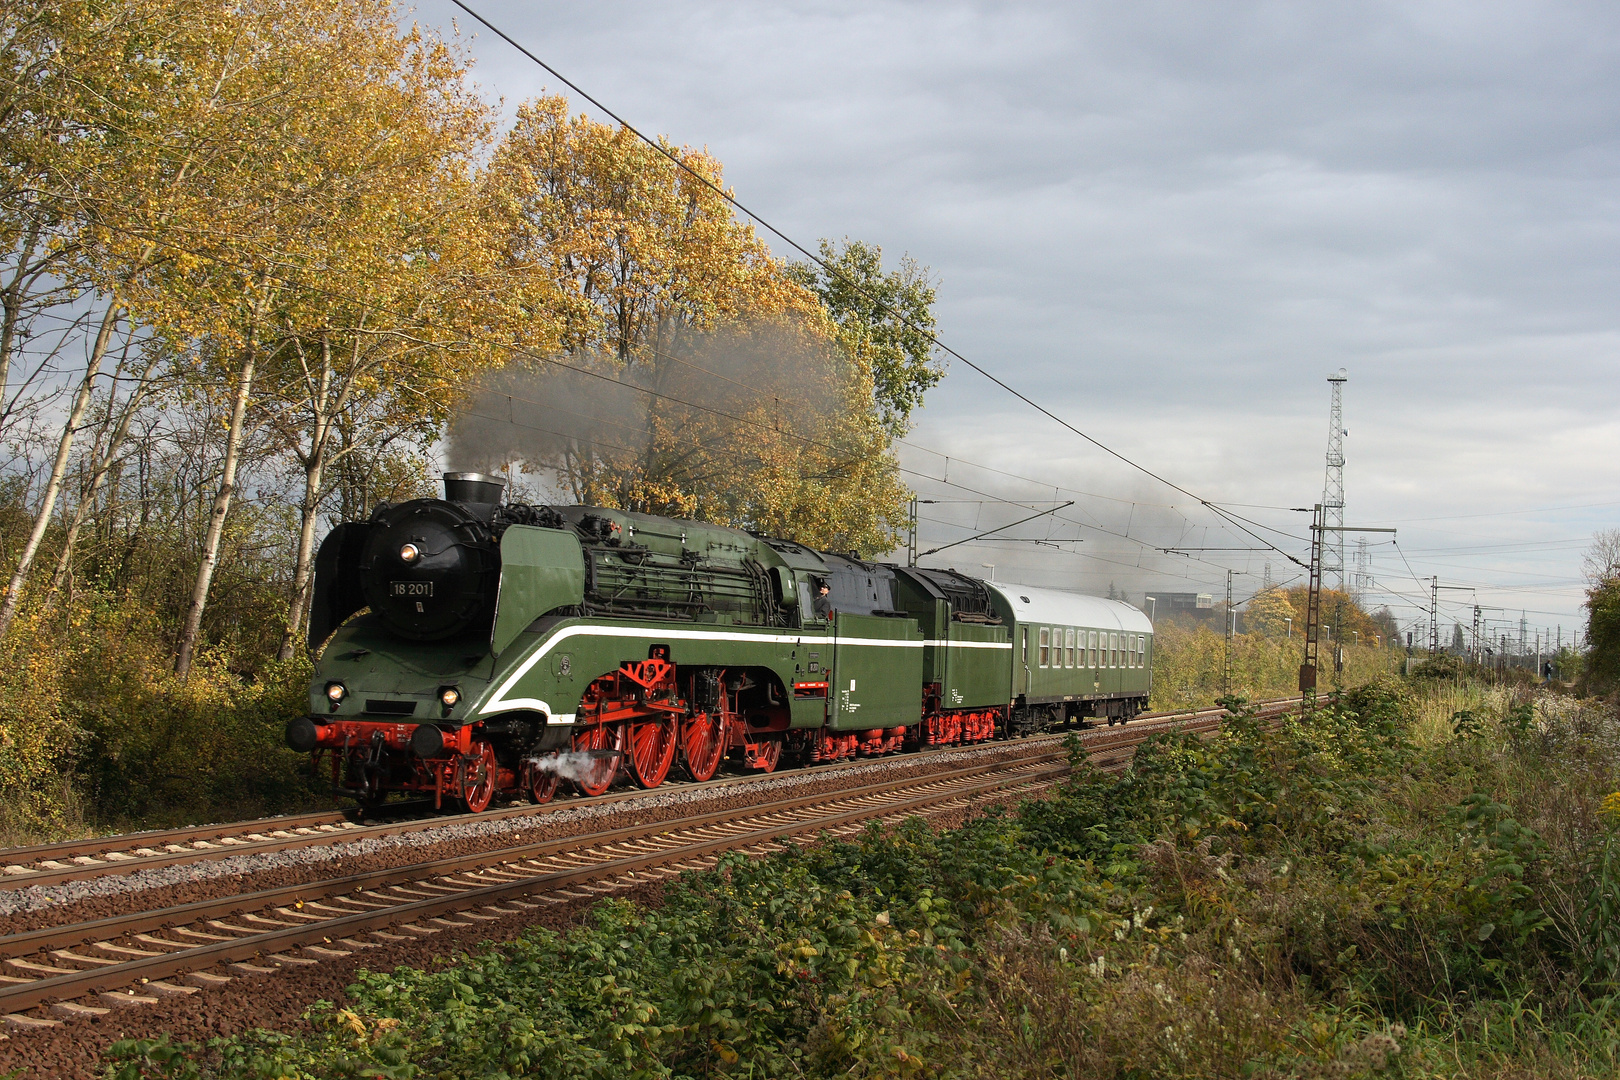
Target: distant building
point(1196, 605)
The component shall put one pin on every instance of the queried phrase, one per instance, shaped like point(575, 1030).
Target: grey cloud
point(1169, 220)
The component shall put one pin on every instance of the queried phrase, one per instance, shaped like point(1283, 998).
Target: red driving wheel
point(602, 746)
point(652, 749)
point(541, 778)
point(478, 774)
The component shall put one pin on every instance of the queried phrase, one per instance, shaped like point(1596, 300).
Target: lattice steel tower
point(1361, 577)
point(1333, 489)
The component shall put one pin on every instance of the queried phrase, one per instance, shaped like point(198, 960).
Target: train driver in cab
point(822, 605)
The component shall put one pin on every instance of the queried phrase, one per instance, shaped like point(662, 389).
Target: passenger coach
point(1075, 656)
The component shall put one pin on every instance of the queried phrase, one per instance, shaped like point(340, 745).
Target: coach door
point(1021, 673)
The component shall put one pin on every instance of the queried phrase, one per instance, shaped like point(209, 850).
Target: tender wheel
point(478, 777)
point(602, 747)
point(652, 750)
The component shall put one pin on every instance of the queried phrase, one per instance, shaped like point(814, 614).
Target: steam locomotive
point(473, 649)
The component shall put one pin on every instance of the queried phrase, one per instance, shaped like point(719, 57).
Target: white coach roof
point(1054, 607)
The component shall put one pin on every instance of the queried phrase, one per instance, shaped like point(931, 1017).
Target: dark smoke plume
point(698, 404)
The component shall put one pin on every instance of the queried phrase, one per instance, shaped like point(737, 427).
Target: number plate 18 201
point(411, 588)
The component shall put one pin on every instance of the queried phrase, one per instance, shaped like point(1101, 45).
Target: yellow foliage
point(1189, 666)
point(87, 693)
point(734, 400)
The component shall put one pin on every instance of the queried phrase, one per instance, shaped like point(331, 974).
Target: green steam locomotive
point(474, 649)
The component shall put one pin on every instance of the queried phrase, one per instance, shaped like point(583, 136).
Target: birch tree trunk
point(98, 476)
point(303, 575)
point(64, 450)
point(222, 501)
point(11, 305)
point(314, 477)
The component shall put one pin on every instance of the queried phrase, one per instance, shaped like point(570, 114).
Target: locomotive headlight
point(336, 692)
point(449, 696)
point(409, 553)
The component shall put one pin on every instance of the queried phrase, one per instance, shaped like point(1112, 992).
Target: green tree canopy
point(884, 319)
point(1602, 566)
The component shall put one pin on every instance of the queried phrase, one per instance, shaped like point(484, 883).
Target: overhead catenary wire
point(1237, 521)
point(517, 350)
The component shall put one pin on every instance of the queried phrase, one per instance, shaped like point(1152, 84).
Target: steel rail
point(339, 829)
point(152, 968)
point(82, 872)
point(31, 941)
point(67, 849)
point(881, 799)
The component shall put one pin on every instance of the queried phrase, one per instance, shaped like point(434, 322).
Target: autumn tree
point(1270, 613)
point(1338, 612)
point(712, 378)
point(394, 323)
point(351, 123)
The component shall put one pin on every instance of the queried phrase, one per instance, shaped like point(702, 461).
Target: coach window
point(1091, 649)
point(1068, 648)
point(1046, 644)
point(1025, 661)
point(1141, 650)
point(1113, 650)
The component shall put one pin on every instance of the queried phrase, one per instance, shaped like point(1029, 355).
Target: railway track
point(89, 968)
point(81, 860)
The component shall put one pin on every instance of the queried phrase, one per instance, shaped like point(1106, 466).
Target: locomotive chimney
point(477, 491)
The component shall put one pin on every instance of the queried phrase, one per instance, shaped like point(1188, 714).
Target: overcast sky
point(1168, 223)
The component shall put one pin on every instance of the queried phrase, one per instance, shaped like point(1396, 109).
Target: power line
point(660, 148)
point(469, 338)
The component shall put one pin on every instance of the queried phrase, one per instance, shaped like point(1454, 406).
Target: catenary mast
point(1333, 489)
